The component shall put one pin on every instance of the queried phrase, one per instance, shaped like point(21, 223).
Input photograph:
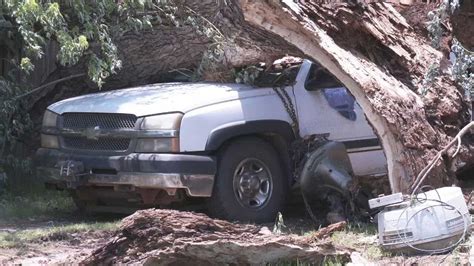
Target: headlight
point(170, 121)
point(162, 122)
point(49, 141)
point(158, 145)
point(50, 119)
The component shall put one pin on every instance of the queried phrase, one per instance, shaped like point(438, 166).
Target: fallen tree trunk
point(368, 47)
point(382, 61)
point(167, 237)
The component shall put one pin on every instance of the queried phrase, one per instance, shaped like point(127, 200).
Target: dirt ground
point(74, 249)
point(48, 241)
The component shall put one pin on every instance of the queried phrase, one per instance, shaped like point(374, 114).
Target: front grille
point(102, 144)
point(104, 121)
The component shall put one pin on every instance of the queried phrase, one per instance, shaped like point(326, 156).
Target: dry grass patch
point(20, 238)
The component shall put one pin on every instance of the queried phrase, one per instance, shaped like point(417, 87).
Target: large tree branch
point(54, 82)
point(381, 61)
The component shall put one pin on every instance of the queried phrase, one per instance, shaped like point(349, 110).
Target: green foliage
point(434, 26)
point(86, 32)
point(463, 59)
point(83, 30)
point(429, 78)
point(248, 75)
point(437, 17)
point(26, 64)
point(34, 205)
point(215, 51)
point(13, 124)
point(453, 4)
point(75, 24)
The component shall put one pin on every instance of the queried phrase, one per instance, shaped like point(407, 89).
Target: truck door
point(325, 106)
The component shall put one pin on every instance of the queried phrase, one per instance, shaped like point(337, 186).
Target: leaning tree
point(397, 70)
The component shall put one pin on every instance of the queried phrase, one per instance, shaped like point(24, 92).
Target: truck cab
point(230, 144)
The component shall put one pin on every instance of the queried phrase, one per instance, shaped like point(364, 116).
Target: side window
point(319, 78)
point(342, 101)
point(333, 90)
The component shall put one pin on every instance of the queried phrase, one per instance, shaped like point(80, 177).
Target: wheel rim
point(253, 184)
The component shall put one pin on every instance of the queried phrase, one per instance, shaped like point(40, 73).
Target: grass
point(40, 204)
point(19, 239)
point(334, 261)
point(361, 237)
point(37, 208)
point(327, 261)
point(463, 248)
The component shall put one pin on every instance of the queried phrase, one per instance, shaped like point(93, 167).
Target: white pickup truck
point(160, 144)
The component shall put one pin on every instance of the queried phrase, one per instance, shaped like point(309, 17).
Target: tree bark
point(382, 61)
point(166, 237)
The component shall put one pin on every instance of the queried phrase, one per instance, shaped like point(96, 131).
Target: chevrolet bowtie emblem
point(93, 133)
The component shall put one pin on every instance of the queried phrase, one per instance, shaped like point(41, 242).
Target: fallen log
point(172, 237)
point(384, 63)
point(329, 230)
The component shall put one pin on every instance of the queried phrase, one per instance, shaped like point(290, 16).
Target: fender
point(228, 131)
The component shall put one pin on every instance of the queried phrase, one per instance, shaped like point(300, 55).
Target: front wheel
point(250, 185)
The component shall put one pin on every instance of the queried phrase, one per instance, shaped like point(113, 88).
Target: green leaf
point(26, 65)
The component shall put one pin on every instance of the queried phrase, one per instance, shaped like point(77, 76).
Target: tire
point(243, 191)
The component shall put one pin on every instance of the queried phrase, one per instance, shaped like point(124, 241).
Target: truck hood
point(158, 98)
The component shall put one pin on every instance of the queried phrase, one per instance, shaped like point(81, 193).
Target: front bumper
point(194, 173)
